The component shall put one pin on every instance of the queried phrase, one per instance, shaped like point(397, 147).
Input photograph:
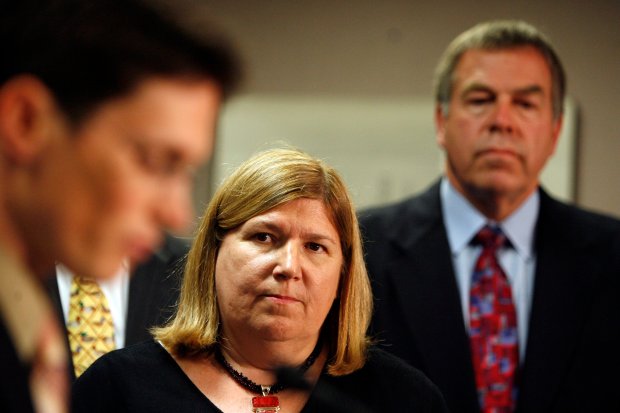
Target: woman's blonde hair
point(265, 181)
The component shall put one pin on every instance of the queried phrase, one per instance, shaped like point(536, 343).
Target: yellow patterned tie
point(90, 326)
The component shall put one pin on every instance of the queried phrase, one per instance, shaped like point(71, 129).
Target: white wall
point(386, 51)
point(384, 149)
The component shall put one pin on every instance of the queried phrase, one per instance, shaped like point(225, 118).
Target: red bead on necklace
point(265, 403)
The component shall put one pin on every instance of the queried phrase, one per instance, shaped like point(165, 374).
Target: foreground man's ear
point(28, 116)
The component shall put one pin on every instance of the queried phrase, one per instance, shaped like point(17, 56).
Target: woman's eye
point(313, 246)
point(262, 237)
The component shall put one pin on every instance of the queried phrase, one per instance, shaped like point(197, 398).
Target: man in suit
point(141, 300)
point(105, 108)
point(545, 336)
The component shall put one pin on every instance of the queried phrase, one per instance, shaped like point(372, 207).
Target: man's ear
point(555, 133)
point(440, 129)
point(28, 115)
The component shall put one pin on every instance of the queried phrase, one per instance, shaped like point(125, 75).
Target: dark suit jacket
point(14, 376)
point(153, 291)
point(572, 355)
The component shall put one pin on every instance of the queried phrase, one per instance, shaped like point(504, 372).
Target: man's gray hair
point(498, 35)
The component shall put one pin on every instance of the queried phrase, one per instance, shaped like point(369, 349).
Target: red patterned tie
point(493, 327)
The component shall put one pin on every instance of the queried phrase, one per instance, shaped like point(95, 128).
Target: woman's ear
point(28, 116)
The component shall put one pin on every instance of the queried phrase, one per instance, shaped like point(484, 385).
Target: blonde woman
point(275, 277)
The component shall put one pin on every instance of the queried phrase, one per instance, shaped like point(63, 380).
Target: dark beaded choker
point(255, 387)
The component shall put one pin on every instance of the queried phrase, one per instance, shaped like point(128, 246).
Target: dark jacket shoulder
point(422, 206)
point(582, 224)
point(385, 383)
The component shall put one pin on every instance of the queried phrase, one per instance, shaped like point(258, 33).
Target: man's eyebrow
point(476, 87)
point(529, 90)
point(481, 87)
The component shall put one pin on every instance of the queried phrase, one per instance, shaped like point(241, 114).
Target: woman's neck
point(257, 359)
point(264, 353)
point(217, 384)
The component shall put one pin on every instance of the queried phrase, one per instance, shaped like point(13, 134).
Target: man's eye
point(160, 164)
point(152, 162)
point(147, 158)
point(478, 101)
point(525, 104)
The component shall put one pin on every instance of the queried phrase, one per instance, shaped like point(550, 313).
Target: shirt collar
point(463, 221)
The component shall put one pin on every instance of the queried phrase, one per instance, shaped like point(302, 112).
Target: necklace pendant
point(264, 404)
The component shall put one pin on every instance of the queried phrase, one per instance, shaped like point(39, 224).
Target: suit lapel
point(153, 290)
point(14, 381)
point(562, 295)
point(51, 285)
point(425, 288)
point(141, 292)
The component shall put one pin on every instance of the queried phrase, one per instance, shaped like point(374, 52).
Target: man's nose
point(174, 207)
point(503, 117)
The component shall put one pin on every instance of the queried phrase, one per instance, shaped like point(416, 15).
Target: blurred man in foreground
point(105, 109)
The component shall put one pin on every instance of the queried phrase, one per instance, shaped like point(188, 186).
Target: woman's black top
point(145, 378)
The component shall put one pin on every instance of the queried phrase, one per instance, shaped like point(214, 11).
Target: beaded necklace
point(267, 402)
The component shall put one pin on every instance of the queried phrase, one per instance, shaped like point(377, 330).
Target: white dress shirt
point(463, 221)
point(116, 290)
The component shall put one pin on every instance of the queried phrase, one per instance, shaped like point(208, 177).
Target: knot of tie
point(88, 286)
point(490, 237)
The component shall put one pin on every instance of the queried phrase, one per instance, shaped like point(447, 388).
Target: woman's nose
point(288, 264)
